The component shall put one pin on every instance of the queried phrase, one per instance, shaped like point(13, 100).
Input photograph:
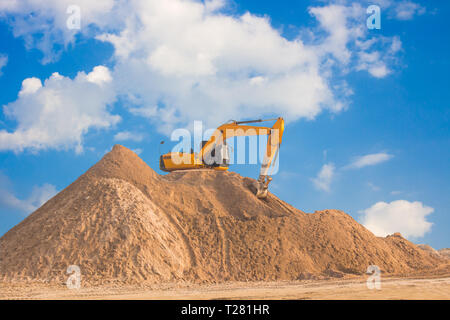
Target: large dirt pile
point(445, 252)
point(123, 222)
point(429, 249)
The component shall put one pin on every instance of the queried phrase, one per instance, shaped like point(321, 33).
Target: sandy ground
point(391, 288)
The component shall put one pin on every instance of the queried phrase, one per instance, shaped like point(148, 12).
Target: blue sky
point(367, 111)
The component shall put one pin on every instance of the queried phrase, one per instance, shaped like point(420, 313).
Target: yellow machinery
point(214, 152)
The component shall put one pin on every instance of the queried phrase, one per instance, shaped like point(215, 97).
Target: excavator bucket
point(262, 186)
point(261, 191)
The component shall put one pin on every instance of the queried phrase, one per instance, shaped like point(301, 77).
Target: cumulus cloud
point(127, 135)
point(59, 112)
point(368, 160)
point(180, 60)
point(186, 57)
point(324, 177)
point(39, 195)
point(3, 62)
point(30, 86)
point(177, 61)
point(408, 218)
point(189, 61)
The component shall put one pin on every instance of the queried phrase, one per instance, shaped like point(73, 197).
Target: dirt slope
point(445, 252)
point(122, 222)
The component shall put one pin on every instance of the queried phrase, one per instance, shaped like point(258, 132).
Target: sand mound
point(429, 249)
point(122, 222)
point(445, 252)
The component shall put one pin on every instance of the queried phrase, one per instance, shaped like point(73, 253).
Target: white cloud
point(3, 62)
point(337, 20)
point(324, 177)
point(59, 112)
point(189, 61)
point(371, 62)
point(214, 5)
point(9, 201)
point(138, 151)
point(383, 52)
point(379, 71)
point(396, 45)
point(406, 10)
point(146, 112)
point(39, 195)
point(30, 86)
point(368, 160)
point(397, 9)
point(180, 60)
point(408, 218)
point(127, 135)
point(100, 75)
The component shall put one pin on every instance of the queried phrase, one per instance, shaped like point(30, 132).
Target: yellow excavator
point(214, 152)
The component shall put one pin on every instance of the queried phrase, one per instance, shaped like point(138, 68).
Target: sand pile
point(429, 249)
point(123, 222)
point(445, 252)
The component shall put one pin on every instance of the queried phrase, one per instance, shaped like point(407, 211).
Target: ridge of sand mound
point(445, 252)
point(122, 222)
point(429, 249)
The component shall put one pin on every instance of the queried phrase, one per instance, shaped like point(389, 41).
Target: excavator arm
point(273, 148)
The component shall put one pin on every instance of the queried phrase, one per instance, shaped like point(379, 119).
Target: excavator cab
point(218, 156)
